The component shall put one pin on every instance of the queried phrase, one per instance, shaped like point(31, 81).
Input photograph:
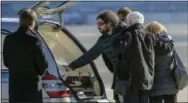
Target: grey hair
point(135, 17)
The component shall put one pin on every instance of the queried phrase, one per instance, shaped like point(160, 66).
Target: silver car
point(60, 48)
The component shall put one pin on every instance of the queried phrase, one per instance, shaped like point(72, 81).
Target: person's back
point(164, 87)
point(23, 56)
point(20, 55)
point(164, 82)
point(23, 71)
point(140, 58)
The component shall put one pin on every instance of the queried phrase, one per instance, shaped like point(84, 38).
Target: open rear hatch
point(86, 81)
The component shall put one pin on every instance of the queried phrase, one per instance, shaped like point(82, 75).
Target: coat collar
point(137, 26)
point(27, 31)
point(118, 29)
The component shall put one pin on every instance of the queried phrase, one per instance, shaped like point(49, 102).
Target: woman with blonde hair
point(164, 87)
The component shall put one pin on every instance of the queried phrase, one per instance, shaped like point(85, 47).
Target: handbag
point(180, 73)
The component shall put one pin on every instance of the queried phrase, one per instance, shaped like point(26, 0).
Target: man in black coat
point(109, 25)
point(122, 14)
point(23, 56)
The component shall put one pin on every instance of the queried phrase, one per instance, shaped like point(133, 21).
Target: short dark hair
point(27, 16)
point(109, 16)
point(124, 11)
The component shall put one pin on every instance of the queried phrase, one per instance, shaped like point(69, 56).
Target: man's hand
point(67, 68)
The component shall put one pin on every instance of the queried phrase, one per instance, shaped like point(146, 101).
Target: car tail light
point(59, 94)
point(54, 87)
point(65, 93)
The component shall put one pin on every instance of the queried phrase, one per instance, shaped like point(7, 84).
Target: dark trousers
point(136, 96)
point(166, 98)
point(116, 97)
point(25, 97)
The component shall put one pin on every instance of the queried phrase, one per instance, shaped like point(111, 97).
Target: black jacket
point(107, 63)
point(102, 46)
point(137, 54)
point(24, 59)
point(164, 82)
point(105, 59)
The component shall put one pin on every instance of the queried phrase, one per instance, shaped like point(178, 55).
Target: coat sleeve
point(5, 50)
point(122, 42)
point(108, 63)
point(88, 56)
point(40, 59)
point(163, 48)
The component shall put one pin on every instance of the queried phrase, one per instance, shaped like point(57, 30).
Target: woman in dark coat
point(164, 87)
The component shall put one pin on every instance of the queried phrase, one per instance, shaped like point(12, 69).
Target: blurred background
point(84, 13)
point(166, 12)
point(80, 20)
